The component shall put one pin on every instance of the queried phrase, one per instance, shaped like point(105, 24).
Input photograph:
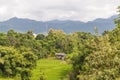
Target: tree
point(40, 37)
point(54, 39)
point(117, 20)
point(13, 63)
point(4, 40)
point(30, 35)
point(12, 37)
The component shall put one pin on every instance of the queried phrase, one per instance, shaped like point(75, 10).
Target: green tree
point(40, 37)
point(4, 40)
point(13, 63)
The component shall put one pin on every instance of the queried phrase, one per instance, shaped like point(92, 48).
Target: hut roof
point(60, 54)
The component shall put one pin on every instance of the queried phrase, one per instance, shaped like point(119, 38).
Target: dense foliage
point(100, 59)
point(94, 57)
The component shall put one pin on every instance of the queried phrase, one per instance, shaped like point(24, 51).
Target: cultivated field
point(51, 69)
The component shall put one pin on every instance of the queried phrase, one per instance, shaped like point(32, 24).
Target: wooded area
point(94, 57)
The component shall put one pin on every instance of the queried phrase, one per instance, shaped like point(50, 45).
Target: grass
point(51, 69)
point(6, 79)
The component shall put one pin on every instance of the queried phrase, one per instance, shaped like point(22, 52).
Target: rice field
point(51, 69)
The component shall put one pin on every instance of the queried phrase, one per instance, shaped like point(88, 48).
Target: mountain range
point(68, 26)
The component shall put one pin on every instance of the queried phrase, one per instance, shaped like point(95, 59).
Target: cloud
point(43, 10)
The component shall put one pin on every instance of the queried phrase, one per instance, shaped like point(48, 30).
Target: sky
point(45, 10)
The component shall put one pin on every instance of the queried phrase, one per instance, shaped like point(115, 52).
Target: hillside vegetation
point(24, 56)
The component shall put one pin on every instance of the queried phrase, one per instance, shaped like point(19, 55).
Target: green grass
point(52, 69)
point(6, 79)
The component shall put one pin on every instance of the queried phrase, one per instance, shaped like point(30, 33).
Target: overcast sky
point(42, 10)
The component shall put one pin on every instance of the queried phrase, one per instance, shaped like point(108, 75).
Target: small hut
point(60, 56)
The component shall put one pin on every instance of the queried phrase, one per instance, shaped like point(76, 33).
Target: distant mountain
point(23, 25)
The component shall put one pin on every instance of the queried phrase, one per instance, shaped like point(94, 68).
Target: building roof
point(60, 54)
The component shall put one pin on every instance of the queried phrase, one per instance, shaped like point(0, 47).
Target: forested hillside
point(93, 57)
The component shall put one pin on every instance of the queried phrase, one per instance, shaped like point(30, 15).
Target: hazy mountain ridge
point(22, 25)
